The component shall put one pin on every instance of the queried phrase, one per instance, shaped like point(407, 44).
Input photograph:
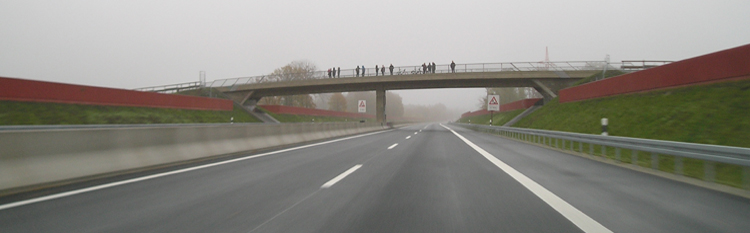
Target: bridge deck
point(422, 81)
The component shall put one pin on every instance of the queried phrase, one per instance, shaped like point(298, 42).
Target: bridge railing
point(558, 67)
point(658, 154)
point(171, 88)
point(415, 70)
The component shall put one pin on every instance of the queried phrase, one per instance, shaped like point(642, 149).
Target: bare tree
point(337, 102)
point(294, 71)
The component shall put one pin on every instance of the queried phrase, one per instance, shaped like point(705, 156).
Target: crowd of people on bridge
point(427, 68)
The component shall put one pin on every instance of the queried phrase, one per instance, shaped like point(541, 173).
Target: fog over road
point(420, 178)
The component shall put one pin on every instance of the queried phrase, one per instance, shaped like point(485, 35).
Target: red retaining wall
point(521, 104)
point(39, 91)
point(724, 65)
point(278, 109)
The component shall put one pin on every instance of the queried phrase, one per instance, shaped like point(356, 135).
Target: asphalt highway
point(421, 178)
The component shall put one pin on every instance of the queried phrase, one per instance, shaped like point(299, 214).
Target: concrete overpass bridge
point(546, 77)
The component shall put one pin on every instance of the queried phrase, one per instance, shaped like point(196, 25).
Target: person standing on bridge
point(433, 67)
point(382, 70)
point(376, 70)
point(357, 71)
point(453, 67)
point(363, 71)
point(329, 72)
point(391, 68)
point(339, 72)
point(424, 68)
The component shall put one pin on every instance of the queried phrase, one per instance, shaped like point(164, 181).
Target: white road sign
point(493, 103)
point(362, 106)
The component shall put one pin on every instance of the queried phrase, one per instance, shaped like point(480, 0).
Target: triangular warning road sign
point(362, 104)
point(493, 101)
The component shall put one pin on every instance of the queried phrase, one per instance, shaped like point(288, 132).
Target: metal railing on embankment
point(694, 160)
point(172, 88)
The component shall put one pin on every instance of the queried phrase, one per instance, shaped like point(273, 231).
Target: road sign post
point(493, 104)
point(361, 106)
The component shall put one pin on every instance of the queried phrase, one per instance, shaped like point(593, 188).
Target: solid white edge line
point(583, 221)
point(392, 146)
point(118, 183)
point(340, 177)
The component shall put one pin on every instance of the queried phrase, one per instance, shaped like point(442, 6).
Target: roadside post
point(493, 104)
point(362, 106)
point(605, 122)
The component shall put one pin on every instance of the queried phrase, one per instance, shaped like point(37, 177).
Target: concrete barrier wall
point(38, 91)
point(730, 64)
point(34, 157)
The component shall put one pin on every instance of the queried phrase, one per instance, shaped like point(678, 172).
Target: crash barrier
point(655, 154)
point(30, 158)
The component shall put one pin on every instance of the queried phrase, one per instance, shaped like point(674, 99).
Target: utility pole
point(606, 64)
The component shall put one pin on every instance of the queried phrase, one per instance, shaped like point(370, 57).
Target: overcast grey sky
point(134, 43)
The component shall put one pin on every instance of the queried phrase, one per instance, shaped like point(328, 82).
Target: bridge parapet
point(439, 69)
point(559, 67)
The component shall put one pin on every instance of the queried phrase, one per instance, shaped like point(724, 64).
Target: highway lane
point(621, 199)
point(431, 182)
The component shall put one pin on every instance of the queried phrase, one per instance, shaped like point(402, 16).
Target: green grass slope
point(497, 118)
point(32, 113)
point(710, 114)
point(716, 114)
point(283, 118)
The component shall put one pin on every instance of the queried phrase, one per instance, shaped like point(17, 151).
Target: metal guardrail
point(641, 64)
point(171, 88)
point(712, 154)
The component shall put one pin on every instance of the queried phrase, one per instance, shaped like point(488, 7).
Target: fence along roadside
point(711, 155)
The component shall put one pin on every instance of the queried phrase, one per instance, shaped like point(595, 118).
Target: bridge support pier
point(380, 104)
point(546, 92)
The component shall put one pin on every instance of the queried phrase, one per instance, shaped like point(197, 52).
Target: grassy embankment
point(708, 114)
point(497, 118)
point(502, 118)
point(283, 118)
point(32, 113)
